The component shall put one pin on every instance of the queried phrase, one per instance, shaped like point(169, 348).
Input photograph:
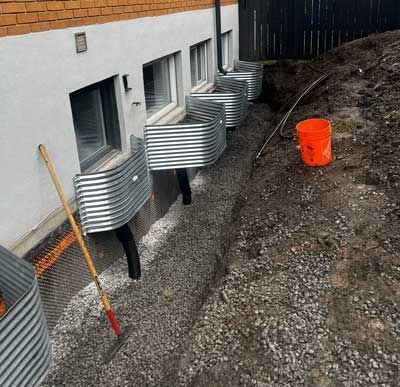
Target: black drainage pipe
point(125, 236)
point(184, 185)
point(219, 36)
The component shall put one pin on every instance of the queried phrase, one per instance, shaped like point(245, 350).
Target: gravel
point(181, 255)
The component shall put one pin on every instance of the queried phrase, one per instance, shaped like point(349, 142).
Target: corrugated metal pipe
point(219, 36)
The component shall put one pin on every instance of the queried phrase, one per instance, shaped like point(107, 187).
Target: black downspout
point(184, 185)
point(125, 236)
point(219, 36)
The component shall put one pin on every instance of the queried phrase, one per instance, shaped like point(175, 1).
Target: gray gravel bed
point(181, 256)
point(283, 318)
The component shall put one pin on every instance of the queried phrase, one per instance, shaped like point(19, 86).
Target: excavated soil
point(311, 292)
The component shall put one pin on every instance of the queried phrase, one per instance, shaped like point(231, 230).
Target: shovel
point(107, 307)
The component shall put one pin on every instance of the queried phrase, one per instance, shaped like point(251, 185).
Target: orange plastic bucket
point(315, 142)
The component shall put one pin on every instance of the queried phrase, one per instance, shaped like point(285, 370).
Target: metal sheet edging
point(25, 349)
point(232, 93)
point(197, 141)
point(109, 199)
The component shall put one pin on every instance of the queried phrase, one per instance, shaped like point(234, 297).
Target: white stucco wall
point(38, 71)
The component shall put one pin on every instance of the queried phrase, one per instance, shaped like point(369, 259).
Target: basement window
point(95, 116)
point(226, 49)
point(198, 64)
point(160, 89)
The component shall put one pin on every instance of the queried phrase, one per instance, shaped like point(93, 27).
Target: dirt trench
point(311, 295)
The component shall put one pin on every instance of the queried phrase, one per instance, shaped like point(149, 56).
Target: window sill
point(108, 161)
point(203, 87)
point(161, 113)
point(172, 116)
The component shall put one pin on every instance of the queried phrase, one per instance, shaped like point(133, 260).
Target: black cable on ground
point(314, 69)
point(285, 118)
point(304, 93)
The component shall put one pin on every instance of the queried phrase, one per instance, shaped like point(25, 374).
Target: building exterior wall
point(19, 17)
point(40, 70)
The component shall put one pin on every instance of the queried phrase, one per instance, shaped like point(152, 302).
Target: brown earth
point(311, 293)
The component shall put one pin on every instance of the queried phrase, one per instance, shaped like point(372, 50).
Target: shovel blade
point(121, 340)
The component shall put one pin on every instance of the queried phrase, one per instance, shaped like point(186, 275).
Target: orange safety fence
point(48, 260)
point(3, 307)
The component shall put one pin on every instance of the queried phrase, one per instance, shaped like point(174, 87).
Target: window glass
point(157, 85)
point(198, 64)
point(95, 121)
point(89, 123)
point(193, 66)
point(204, 62)
point(225, 49)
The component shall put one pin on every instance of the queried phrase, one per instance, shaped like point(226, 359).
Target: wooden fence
point(282, 29)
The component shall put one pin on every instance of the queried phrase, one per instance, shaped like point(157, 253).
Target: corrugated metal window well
point(110, 199)
point(232, 93)
point(250, 72)
point(197, 141)
point(25, 350)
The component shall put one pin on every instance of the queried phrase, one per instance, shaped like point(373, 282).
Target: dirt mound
point(311, 296)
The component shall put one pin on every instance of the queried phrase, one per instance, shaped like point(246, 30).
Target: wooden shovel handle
point(79, 238)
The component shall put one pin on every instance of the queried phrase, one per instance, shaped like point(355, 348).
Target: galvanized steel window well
point(232, 93)
point(25, 349)
point(250, 72)
point(109, 199)
point(197, 141)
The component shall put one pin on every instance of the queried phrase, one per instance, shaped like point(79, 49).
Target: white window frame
point(226, 49)
point(203, 50)
point(173, 89)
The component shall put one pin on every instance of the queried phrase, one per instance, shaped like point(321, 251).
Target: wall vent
point(80, 42)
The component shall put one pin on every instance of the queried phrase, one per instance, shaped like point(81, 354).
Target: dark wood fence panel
point(283, 29)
